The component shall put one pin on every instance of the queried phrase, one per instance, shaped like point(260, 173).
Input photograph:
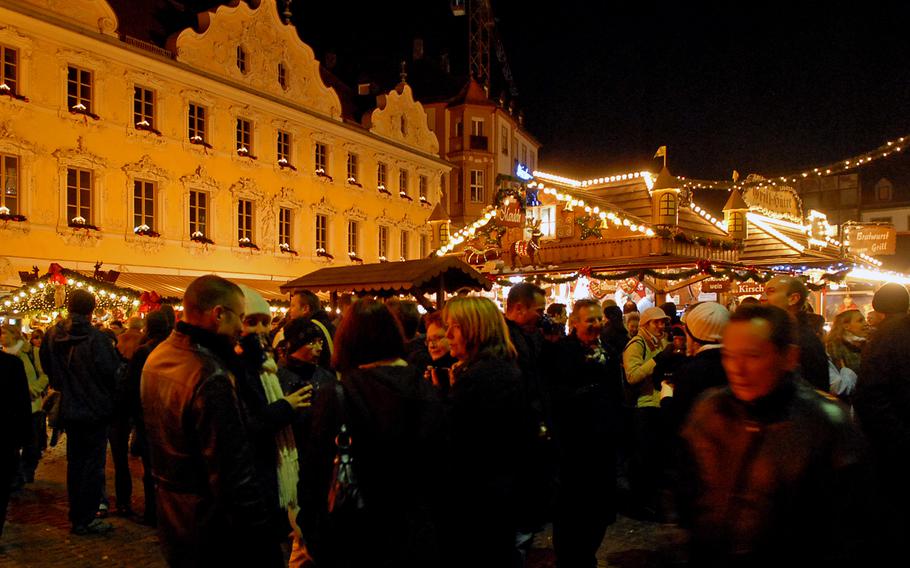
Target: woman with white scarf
point(269, 412)
point(14, 343)
point(845, 344)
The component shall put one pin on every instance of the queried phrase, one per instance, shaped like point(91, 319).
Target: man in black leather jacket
point(212, 510)
point(772, 473)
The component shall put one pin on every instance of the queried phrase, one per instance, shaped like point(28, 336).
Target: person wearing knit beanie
point(705, 325)
point(891, 298)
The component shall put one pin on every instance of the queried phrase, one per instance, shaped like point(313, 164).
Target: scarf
point(288, 468)
point(15, 349)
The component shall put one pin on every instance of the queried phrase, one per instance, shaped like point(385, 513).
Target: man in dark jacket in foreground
point(772, 472)
point(81, 363)
point(15, 424)
point(212, 510)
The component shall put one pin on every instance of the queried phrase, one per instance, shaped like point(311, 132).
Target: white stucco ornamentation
point(263, 42)
point(93, 15)
point(399, 117)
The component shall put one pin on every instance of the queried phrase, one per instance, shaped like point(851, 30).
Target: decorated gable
point(253, 46)
point(91, 15)
point(399, 117)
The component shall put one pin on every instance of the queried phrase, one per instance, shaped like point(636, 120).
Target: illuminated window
point(477, 186)
point(9, 69)
point(144, 203)
point(78, 89)
point(666, 207)
point(199, 212)
point(79, 194)
point(196, 123)
point(322, 232)
point(547, 216)
point(143, 107)
point(9, 175)
point(443, 232)
point(737, 222)
point(244, 219)
point(284, 226)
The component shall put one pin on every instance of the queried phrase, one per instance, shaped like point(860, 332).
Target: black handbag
point(344, 492)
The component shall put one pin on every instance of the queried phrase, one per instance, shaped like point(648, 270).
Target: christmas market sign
point(871, 239)
point(715, 286)
point(775, 201)
point(749, 288)
point(511, 214)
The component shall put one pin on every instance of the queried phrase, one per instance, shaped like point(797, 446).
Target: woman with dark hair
point(394, 423)
point(614, 331)
point(488, 414)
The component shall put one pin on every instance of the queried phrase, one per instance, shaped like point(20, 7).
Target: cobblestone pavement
point(37, 532)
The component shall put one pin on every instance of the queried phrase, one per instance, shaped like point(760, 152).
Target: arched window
point(883, 190)
point(666, 207)
point(737, 222)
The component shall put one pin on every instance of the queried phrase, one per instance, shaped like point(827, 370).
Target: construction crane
point(482, 35)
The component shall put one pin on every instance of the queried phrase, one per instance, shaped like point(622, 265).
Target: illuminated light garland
point(557, 179)
point(647, 176)
point(878, 276)
point(722, 225)
point(781, 222)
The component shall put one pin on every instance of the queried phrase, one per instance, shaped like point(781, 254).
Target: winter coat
point(813, 359)
point(37, 379)
point(15, 407)
point(775, 482)
point(81, 363)
point(639, 365)
point(212, 509)
point(699, 373)
point(396, 430)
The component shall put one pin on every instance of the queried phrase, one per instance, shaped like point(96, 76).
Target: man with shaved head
point(790, 294)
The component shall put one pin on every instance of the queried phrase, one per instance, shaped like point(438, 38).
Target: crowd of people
point(390, 438)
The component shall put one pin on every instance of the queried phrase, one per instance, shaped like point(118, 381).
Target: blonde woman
point(846, 339)
point(487, 419)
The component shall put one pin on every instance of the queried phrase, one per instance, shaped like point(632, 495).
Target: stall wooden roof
point(426, 275)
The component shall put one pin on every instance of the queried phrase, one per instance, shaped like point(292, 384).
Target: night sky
point(603, 84)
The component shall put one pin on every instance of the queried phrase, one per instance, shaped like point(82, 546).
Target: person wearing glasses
point(213, 509)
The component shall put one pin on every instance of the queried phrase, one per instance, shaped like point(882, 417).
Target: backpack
point(345, 499)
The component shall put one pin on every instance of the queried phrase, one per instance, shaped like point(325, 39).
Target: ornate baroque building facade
point(223, 152)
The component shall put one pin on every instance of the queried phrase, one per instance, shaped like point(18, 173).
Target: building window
point(403, 125)
point(547, 216)
point(422, 188)
point(244, 219)
point(666, 206)
point(880, 220)
point(459, 187)
point(244, 137)
point(476, 186)
point(196, 123)
point(443, 232)
point(381, 175)
point(524, 154)
point(476, 127)
point(143, 107)
point(737, 222)
point(504, 141)
point(284, 148)
point(352, 237)
point(404, 245)
point(199, 213)
point(144, 203)
point(9, 175)
point(282, 76)
point(383, 242)
point(459, 128)
point(78, 89)
point(423, 246)
point(322, 232)
point(9, 70)
point(284, 227)
point(79, 194)
point(352, 168)
point(403, 181)
point(883, 190)
point(241, 59)
point(320, 158)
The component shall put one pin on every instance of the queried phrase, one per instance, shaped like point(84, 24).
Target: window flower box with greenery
point(354, 258)
point(286, 248)
point(381, 188)
point(80, 108)
point(284, 164)
point(81, 223)
point(354, 182)
point(247, 243)
point(200, 141)
point(199, 237)
point(146, 231)
point(9, 92)
point(404, 195)
point(424, 201)
point(244, 152)
point(320, 172)
point(324, 253)
point(146, 126)
point(5, 216)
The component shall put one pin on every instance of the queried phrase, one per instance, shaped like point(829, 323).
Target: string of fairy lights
point(49, 294)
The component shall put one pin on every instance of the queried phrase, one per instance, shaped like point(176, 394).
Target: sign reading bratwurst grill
point(871, 239)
